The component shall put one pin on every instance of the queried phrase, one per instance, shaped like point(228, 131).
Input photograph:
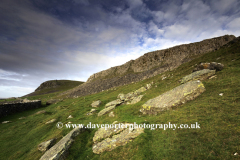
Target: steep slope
point(146, 66)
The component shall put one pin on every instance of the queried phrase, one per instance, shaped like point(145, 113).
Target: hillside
point(217, 110)
point(146, 66)
point(53, 86)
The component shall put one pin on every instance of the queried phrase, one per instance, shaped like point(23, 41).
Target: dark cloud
point(71, 39)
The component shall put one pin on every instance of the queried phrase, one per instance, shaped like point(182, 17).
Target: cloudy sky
point(43, 40)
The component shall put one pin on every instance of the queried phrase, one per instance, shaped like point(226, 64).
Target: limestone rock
point(60, 150)
point(44, 146)
point(40, 112)
point(135, 99)
point(106, 110)
point(96, 103)
point(4, 122)
point(91, 112)
point(199, 75)
point(121, 139)
point(121, 96)
point(70, 116)
point(174, 97)
point(113, 103)
point(111, 114)
point(51, 121)
point(212, 66)
point(148, 86)
point(140, 90)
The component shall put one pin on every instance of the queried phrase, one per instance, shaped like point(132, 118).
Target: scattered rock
point(96, 103)
point(106, 110)
point(236, 154)
point(51, 121)
point(140, 90)
point(60, 150)
point(44, 146)
point(108, 144)
point(199, 75)
point(91, 112)
point(135, 99)
point(221, 94)
point(164, 78)
point(70, 116)
point(174, 97)
point(40, 112)
point(111, 114)
point(4, 122)
point(212, 66)
point(215, 76)
point(113, 103)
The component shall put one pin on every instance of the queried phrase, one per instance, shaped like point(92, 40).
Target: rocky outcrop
point(106, 110)
point(60, 150)
point(44, 146)
point(172, 56)
point(48, 84)
point(148, 65)
point(108, 144)
point(173, 98)
point(212, 66)
point(199, 75)
point(130, 98)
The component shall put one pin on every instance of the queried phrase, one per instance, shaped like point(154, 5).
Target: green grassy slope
point(218, 116)
point(63, 85)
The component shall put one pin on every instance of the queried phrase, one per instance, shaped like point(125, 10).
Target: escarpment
point(148, 65)
point(174, 56)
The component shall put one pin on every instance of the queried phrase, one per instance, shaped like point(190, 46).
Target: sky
point(44, 40)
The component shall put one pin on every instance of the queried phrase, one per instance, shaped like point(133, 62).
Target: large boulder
point(174, 97)
point(44, 146)
point(121, 139)
point(60, 150)
point(199, 75)
point(113, 103)
point(212, 66)
point(96, 103)
point(106, 110)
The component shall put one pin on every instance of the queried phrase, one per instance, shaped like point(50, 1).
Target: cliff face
point(146, 66)
point(174, 56)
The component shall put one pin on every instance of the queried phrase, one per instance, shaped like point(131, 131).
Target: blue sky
point(43, 40)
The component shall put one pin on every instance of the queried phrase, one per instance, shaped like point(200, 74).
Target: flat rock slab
point(174, 97)
point(198, 75)
point(106, 110)
point(60, 150)
point(120, 139)
point(135, 99)
point(113, 103)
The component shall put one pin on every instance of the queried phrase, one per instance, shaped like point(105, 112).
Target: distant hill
point(54, 86)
